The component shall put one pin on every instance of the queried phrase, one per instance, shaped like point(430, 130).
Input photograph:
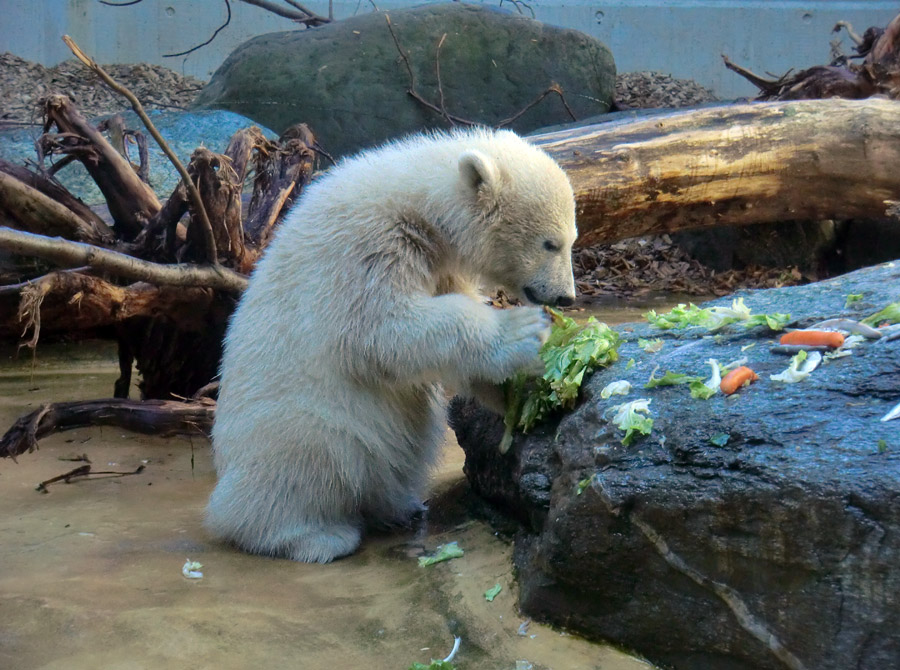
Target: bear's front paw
point(523, 331)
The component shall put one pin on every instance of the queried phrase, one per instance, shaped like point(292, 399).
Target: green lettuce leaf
point(571, 353)
point(890, 314)
point(434, 665)
point(671, 379)
point(492, 592)
point(713, 318)
point(630, 417)
point(444, 553)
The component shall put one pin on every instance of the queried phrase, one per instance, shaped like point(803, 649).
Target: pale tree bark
point(731, 165)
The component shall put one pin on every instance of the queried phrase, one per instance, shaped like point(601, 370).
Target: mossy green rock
point(349, 83)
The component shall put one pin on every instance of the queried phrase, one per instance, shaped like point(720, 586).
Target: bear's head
point(525, 210)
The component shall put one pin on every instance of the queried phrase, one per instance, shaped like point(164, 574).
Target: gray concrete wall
point(683, 37)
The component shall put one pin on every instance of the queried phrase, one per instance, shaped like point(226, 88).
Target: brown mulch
point(644, 90)
point(636, 267)
point(23, 84)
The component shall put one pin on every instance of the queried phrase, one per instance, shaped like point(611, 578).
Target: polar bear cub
point(364, 306)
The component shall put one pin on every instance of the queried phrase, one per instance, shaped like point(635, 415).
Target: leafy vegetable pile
point(572, 351)
point(714, 318)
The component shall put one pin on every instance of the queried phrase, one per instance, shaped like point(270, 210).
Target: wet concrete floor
point(90, 573)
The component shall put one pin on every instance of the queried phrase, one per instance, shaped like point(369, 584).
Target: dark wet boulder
point(348, 82)
point(756, 531)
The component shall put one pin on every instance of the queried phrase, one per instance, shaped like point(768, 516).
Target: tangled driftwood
point(878, 73)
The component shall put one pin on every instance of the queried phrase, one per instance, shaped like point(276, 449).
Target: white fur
point(331, 410)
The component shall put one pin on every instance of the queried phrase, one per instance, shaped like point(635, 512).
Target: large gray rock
point(183, 132)
point(780, 549)
point(347, 81)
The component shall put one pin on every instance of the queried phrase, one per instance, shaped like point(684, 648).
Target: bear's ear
point(478, 171)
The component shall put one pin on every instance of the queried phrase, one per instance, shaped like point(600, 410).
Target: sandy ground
point(91, 571)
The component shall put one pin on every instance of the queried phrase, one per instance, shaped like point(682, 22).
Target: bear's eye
point(551, 246)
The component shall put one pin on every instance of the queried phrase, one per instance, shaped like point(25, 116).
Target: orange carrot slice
point(813, 338)
point(736, 379)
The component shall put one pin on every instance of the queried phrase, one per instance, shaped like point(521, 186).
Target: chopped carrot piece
point(736, 379)
point(813, 338)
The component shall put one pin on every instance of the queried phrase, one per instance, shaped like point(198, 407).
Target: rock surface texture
point(780, 549)
point(348, 82)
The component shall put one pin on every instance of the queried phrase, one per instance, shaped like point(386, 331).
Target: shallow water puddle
point(91, 571)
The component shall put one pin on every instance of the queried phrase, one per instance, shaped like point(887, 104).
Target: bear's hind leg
point(320, 543)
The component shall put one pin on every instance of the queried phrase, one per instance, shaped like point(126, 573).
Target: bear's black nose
point(564, 301)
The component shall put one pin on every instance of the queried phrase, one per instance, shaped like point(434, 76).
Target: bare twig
point(411, 90)
point(765, 85)
point(518, 4)
point(441, 108)
point(437, 68)
point(217, 31)
point(854, 37)
point(86, 472)
point(64, 252)
point(553, 88)
point(303, 15)
point(194, 194)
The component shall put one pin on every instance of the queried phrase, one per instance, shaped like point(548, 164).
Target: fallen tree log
point(64, 252)
point(731, 165)
point(68, 302)
point(150, 417)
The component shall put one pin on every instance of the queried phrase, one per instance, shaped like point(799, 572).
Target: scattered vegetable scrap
point(890, 314)
point(191, 569)
point(582, 485)
point(444, 553)
point(714, 318)
point(670, 379)
point(492, 592)
point(719, 439)
point(852, 298)
point(628, 417)
point(706, 390)
point(620, 387)
point(434, 665)
point(893, 414)
point(813, 338)
point(650, 346)
point(799, 369)
point(849, 326)
point(440, 664)
point(737, 378)
point(572, 351)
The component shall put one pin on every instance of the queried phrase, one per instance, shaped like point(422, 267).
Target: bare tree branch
point(303, 15)
point(136, 105)
point(411, 90)
point(553, 88)
point(217, 31)
point(40, 205)
point(66, 253)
